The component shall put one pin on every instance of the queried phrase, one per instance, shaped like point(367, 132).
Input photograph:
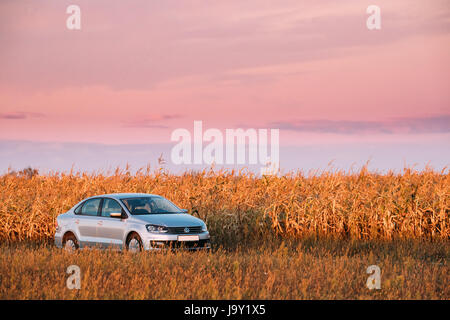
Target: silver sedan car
point(134, 221)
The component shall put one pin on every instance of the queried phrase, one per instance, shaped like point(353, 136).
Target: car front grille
point(173, 244)
point(182, 230)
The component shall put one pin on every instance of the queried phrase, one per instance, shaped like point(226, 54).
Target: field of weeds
point(303, 269)
point(290, 237)
point(241, 207)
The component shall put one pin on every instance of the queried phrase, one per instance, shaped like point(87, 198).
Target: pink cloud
point(137, 66)
point(20, 115)
point(154, 121)
point(430, 124)
point(141, 44)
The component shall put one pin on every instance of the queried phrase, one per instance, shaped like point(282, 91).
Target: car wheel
point(134, 243)
point(70, 243)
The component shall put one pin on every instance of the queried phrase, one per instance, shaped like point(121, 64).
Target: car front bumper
point(171, 241)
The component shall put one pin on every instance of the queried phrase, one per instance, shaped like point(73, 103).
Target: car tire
point(134, 243)
point(70, 243)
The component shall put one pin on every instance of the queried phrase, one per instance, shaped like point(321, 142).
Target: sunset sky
point(137, 70)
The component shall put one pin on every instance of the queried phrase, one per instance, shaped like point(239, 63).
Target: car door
point(86, 220)
point(110, 230)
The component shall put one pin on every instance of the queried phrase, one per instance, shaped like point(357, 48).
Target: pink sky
point(137, 70)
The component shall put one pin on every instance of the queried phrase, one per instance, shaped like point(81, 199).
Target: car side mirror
point(115, 214)
point(184, 210)
point(121, 215)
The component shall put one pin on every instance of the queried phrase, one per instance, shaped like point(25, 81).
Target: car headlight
point(204, 228)
point(156, 229)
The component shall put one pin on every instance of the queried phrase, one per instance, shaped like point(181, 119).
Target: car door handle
point(77, 221)
point(100, 223)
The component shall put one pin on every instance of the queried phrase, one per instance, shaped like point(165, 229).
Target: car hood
point(170, 219)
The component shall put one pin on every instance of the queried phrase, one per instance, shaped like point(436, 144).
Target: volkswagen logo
point(186, 230)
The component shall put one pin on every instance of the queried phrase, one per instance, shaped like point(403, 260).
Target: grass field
point(291, 237)
point(304, 269)
point(241, 207)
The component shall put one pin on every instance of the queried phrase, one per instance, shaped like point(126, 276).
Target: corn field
point(303, 269)
point(240, 206)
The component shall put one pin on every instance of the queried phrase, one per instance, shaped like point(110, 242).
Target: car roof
point(125, 195)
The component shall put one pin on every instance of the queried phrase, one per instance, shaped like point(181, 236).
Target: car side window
point(110, 206)
point(78, 209)
point(90, 207)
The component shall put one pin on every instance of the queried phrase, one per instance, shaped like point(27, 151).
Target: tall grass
point(239, 206)
point(296, 269)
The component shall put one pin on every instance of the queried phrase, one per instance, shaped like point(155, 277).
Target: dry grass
point(304, 269)
point(240, 207)
point(306, 237)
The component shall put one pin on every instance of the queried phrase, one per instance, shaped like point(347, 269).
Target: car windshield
point(150, 205)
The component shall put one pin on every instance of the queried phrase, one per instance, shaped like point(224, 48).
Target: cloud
point(20, 115)
point(430, 124)
point(139, 46)
point(153, 121)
